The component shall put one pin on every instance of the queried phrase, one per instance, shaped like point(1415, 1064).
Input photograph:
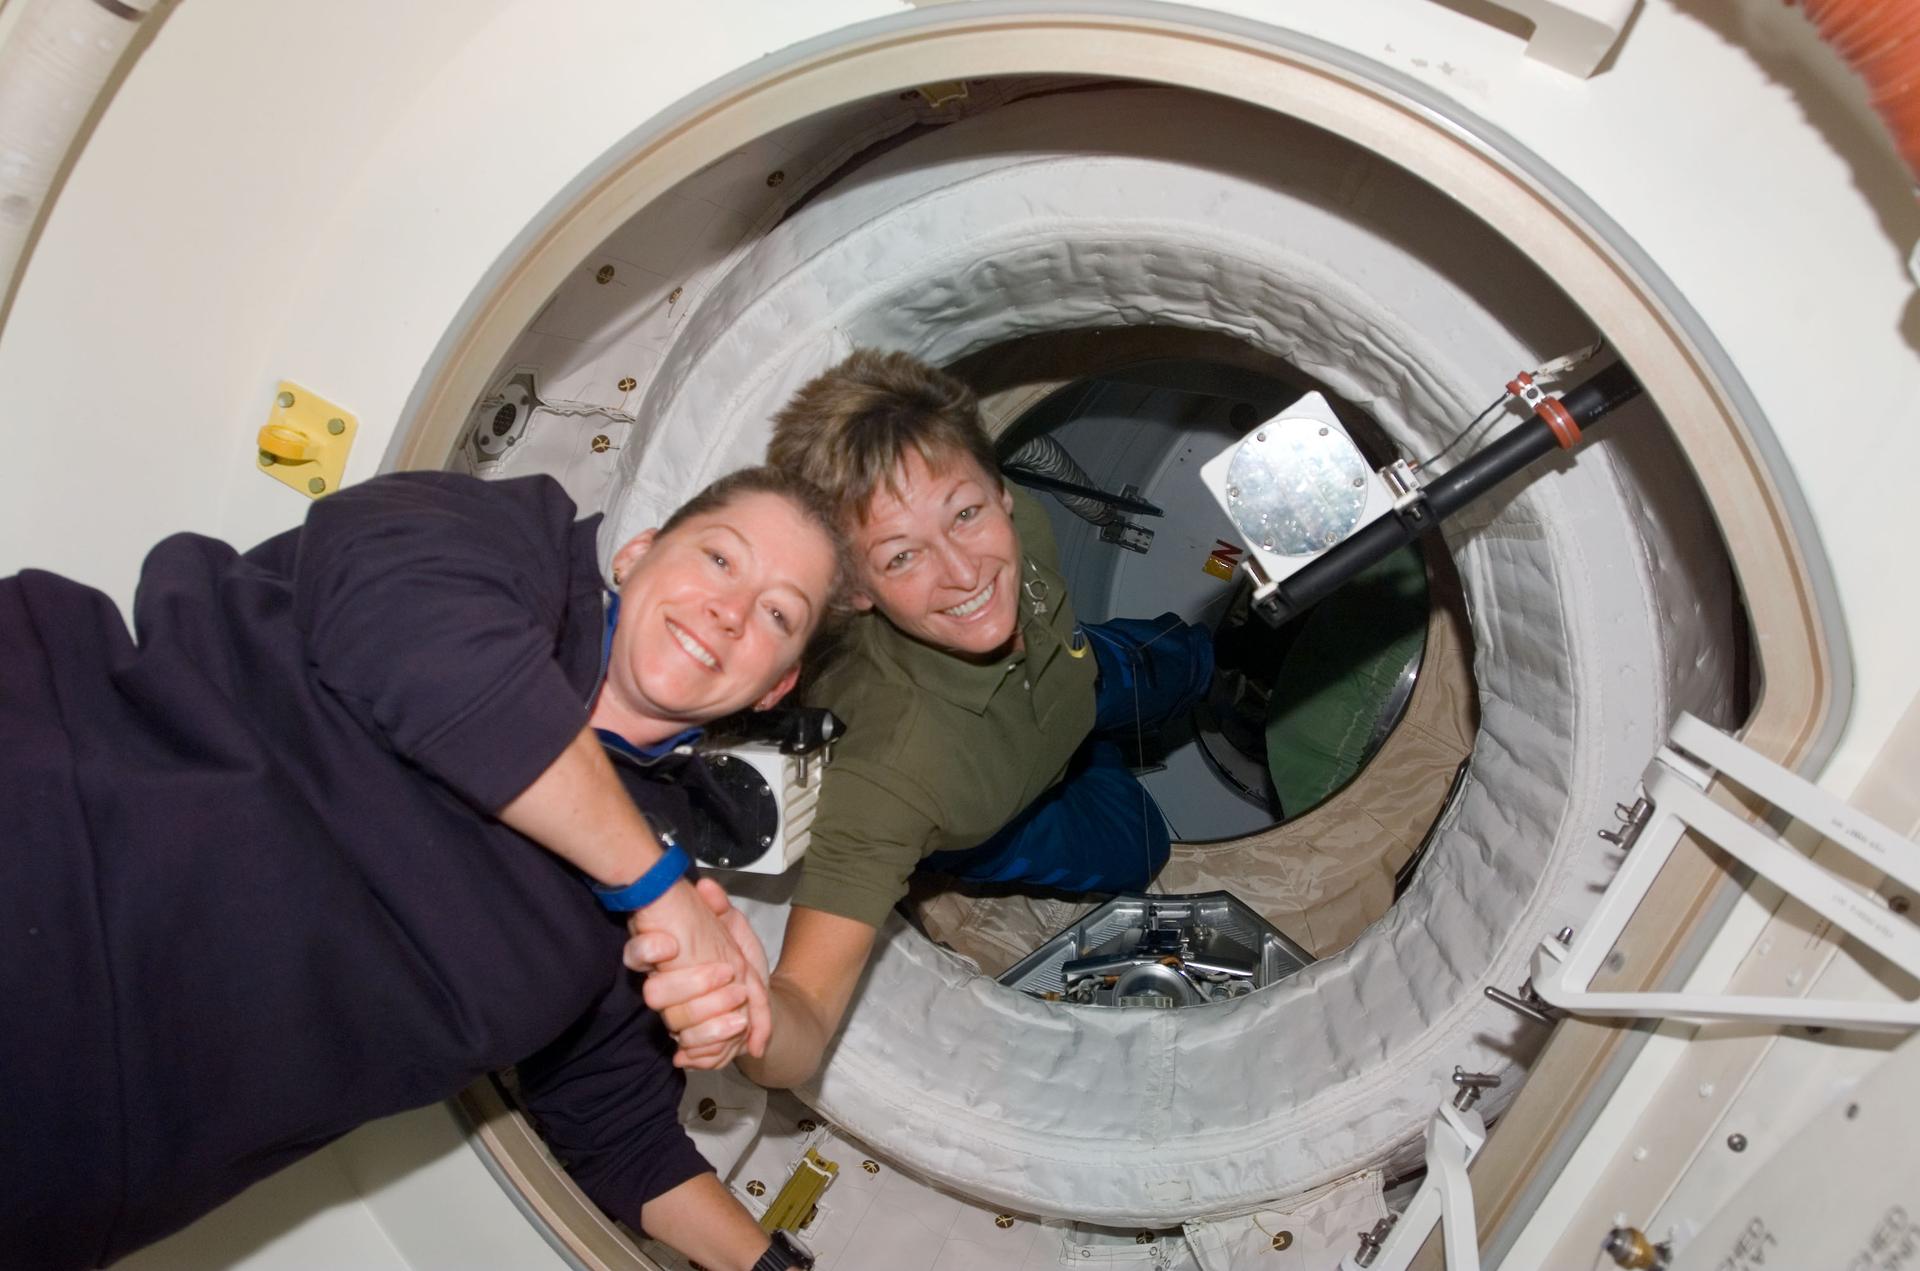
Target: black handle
point(1486, 468)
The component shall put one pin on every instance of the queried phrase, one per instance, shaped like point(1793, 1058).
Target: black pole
point(1486, 468)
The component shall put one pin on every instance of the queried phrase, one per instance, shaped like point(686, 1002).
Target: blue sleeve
point(606, 1097)
point(433, 605)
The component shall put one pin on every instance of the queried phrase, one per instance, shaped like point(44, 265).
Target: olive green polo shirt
point(939, 752)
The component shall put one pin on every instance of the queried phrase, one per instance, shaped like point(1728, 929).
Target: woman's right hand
point(706, 974)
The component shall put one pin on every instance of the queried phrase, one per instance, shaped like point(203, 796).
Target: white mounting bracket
point(1454, 1138)
point(1574, 36)
point(1676, 785)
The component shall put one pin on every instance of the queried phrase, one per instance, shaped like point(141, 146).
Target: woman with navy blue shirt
point(331, 833)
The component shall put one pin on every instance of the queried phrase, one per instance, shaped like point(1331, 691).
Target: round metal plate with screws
point(1297, 486)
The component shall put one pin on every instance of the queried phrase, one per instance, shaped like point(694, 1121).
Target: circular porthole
point(912, 249)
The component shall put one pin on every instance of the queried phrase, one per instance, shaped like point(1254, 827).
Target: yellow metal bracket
point(305, 441)
point(941, 92)
point(792, 1209)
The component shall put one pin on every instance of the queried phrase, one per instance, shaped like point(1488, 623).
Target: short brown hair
point(848, 429)
point(807, 499)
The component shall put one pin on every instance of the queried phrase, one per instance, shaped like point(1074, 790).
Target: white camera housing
point(793, 781)
point(1297, 485)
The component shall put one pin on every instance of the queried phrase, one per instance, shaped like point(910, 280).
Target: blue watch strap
point(650, 886)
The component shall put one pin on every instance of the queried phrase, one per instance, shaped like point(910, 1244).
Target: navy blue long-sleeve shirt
point(251, 890)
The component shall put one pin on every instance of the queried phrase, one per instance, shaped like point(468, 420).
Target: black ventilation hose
point(1513, 450)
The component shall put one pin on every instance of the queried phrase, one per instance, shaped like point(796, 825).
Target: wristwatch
point(783, 1253)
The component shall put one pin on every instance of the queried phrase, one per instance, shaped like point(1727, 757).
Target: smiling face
point(714, 616)
point(939, 556)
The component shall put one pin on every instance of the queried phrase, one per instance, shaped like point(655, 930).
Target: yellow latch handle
point(288, 445)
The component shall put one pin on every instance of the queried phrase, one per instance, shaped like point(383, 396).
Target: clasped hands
point(706, 974)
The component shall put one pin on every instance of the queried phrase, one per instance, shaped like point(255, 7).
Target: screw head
point(1323, 432)
point(674, 295)
point(1282, 1240)
point(1899, 904)
point(317, 485)
point(285, 399)
point(756, 1188)
point(1359, 482)
point(336, 425)
point(1143, 1237)
point(601, 443)
point(626, 383)
point(1002, 1221)
point(266, 460)
point(603, 275)
point(808, 1125)
point(708, 1109)
point(1738, 1142)
point(871, 1167)
point(1260, 436)
point(775, 177)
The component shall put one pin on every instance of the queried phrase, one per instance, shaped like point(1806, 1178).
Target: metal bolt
point(1282, 1240)
point(766, 840)
point(1899, 904)
point(1630, 1248)
point(1738, 1142)
point(674, 295)
point(336, 426)
point(872, 1167)
point(1143, 1237)
point(756, 1188)
point(285, 399)
point(1565, 935)
point(808, 1125)
point(1002, 1221)
point(708, 1109)
point(627, 383)
point(317, 486)
point(1323, 432)
point(604, 275)
point(1233, 492)
point(1332, 538)
point(601, 443)
point(1359, 482)
point(1370, 1241)
point(1469, 1086)
point(775, 177)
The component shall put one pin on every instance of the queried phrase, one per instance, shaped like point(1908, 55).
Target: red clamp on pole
point(1565, 430)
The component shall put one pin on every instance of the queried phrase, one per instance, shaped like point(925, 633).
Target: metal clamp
point(1632, 820)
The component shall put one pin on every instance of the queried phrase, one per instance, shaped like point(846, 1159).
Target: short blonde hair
point(848, 429)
